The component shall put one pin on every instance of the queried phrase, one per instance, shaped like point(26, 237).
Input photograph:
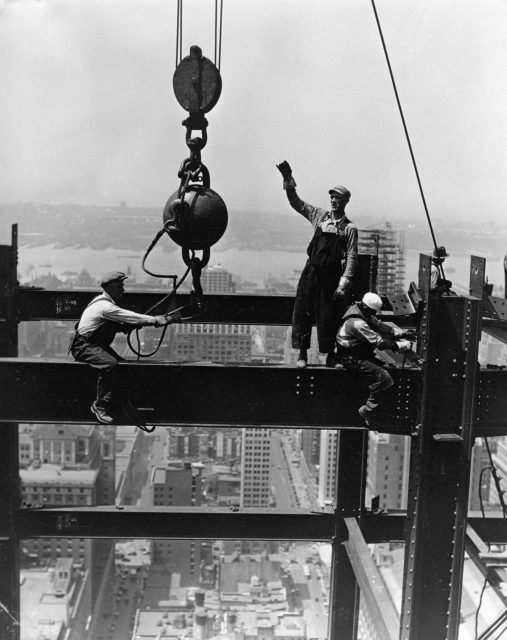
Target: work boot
point(331, 360)
point(303, 359)
point(365, 414)
point(369, 417)
point(101, 414)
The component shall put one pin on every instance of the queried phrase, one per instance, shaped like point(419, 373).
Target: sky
point(88, 113)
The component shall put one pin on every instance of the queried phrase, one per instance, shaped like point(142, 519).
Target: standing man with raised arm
point(102, 319)
point(325, 288)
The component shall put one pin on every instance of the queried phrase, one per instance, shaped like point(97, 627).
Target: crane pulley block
point(197, 82)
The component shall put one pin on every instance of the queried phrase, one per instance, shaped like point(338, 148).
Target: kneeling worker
point(100, 322)
point(358, 336)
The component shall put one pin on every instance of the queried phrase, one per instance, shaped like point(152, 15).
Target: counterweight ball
point(197, 221)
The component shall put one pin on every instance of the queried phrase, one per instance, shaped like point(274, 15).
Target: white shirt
point(102, 308)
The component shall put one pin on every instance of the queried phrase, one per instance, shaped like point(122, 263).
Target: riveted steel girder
point(228, 523)
point(48, 390)
point(440, 472)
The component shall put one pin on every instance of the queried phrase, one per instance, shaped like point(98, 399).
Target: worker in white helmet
point(359, 334)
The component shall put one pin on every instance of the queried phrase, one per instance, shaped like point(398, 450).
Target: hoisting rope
point(439, 264)
point(219, 6)
point(192, 170)
point(176, 285)
point(179, 31)
point(218, 33)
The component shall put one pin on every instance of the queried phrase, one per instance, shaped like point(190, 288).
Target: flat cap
point(112, 276)
point(340, 190)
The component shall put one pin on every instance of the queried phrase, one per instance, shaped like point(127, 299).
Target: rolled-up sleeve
point(311, 213)
point(366, 334)
point(351, 259)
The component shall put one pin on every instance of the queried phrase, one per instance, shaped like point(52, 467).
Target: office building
point(255, 467)
point(178, 484)
point(211, 342)
point(387, 471)
point(216, 279)
point(327, 469)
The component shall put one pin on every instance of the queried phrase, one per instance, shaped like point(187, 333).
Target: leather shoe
point(331, 361)
point(365, 414)
point(100, 414)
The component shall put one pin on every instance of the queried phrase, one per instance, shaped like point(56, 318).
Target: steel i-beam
point(440, 472)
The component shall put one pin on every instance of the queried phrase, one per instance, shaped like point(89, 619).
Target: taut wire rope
point(407, 136)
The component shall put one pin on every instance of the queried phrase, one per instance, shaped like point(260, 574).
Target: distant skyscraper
point(255, 467)
point(327, 471)
point(310, 446)
point(71, 465)
point(228, 445)
point(387, 471)
point(215, 342)
point(389, 245)
point(216, 279)
point(178, 484)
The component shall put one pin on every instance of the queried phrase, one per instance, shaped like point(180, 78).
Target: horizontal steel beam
point(495, 328)
point(475, 547)
point(41, 304)
point(220, 523)
point(58, 391)
point(48, 390)
point(175, 522)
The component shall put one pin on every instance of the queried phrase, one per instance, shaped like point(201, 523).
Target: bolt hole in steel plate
point(197, 83)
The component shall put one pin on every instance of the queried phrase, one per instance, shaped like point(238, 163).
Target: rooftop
point(51, 474)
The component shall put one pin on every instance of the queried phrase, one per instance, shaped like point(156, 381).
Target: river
point(249, 264)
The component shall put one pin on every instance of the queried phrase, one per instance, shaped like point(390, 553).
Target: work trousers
point(314, 304)
point(376, 377)
point(105, 360)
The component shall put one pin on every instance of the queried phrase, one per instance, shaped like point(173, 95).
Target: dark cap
point(112, 276)
point(440, 252)
point(341, 191)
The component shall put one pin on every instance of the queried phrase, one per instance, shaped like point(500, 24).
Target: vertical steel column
point(9, 469)
point(440, 472)
point(350, 487)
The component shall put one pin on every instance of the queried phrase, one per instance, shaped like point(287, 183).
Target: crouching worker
point(100, 322)
point(359, 334)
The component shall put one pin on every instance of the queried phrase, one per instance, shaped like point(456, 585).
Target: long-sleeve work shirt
point(357, 330)
point(103, 308)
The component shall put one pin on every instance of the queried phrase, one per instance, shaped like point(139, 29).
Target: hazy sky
point(88, 113)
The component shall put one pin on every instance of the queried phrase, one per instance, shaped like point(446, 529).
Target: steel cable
point(407, 136)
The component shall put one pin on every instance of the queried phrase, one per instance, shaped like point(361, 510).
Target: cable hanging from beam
point(407, 136)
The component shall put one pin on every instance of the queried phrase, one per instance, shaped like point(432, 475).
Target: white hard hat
point(372, 300)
